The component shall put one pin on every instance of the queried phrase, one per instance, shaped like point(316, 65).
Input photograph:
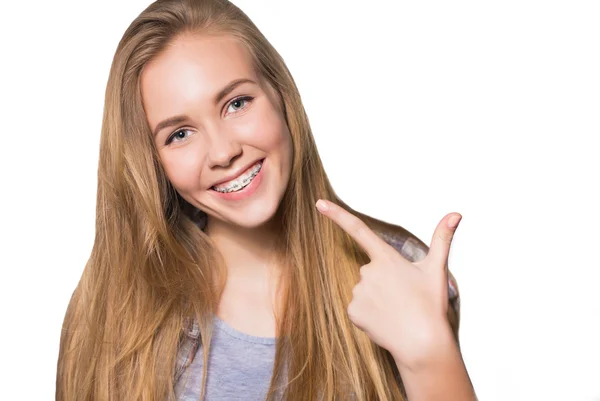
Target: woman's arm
point(441, 376)
point(445, 377)
point(400, 302)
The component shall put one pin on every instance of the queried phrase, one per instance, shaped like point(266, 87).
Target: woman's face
point(221, 127)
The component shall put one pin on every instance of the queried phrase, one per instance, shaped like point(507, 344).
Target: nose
point(224, 149)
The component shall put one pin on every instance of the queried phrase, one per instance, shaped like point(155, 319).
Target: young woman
point(215, 272)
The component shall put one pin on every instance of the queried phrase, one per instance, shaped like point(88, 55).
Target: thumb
point(442, 239)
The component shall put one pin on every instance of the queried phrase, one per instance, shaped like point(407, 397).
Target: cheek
point(183, 167)
point(267, 131)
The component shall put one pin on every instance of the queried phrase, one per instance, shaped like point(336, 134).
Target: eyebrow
point(222, 93)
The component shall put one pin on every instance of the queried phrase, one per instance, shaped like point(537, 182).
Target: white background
point(489, 109)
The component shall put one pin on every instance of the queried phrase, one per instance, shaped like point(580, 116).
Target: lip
point(237, 173)
point(245, 193)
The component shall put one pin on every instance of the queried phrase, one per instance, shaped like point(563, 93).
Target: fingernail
point(454, 220)
point(322, 206)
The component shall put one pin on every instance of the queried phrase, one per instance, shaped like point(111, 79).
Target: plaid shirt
point(409, 246)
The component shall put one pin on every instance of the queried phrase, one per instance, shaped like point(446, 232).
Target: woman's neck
point(253, 291)
point(248, 252)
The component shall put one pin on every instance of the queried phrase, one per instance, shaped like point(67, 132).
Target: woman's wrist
point(437, 371)
point(438, 345)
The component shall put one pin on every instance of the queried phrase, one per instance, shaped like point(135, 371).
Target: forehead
point(192, 69)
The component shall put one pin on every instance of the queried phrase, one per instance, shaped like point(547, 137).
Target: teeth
point(241, 182)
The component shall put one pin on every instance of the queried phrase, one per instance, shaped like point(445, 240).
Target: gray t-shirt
point(240, 367)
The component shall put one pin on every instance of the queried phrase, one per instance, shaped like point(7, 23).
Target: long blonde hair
point(152, 268)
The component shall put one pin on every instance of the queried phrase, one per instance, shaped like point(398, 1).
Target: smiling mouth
point(241, 182)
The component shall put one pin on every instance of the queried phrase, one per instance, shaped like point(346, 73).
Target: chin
point(253, 215)
point(256, 215)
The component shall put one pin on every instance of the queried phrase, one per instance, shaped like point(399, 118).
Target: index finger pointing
point(355, 227)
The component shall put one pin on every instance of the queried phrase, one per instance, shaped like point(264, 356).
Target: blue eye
point(178, 136)
point(243, 100)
